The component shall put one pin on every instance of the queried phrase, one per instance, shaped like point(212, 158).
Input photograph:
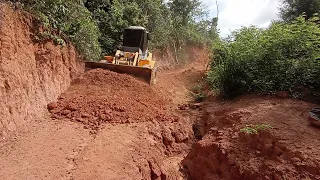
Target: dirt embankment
point(190, 55)
point(288, 150)
point(31, 74)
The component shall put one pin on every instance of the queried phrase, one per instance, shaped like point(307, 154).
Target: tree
point(70, 17)
point(292, 9)
point(97, 25)
point(183, 10)
point(113, 16)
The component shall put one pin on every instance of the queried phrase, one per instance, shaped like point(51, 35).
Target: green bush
point(70, 17)
point(96, 26)
point(255, 129)
point(197, 93)
point(279, 58)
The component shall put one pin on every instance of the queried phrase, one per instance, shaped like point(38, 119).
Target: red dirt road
point(150, 145)
point(110, 126)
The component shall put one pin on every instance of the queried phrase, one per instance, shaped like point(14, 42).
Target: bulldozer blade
point(142, 73)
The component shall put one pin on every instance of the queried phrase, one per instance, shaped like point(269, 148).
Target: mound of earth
point(286, 146)
point(103, 96)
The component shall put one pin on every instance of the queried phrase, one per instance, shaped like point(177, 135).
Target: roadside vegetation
point(255, 129)
point(283, 57)
point(95, 26)
point(198, 92)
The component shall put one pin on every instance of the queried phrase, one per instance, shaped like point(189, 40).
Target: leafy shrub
point(197, 92)
point(95, 26)
point(279, 58)
point(255, 129)
point(197, 88)
point(70, 17)
point(199, 97)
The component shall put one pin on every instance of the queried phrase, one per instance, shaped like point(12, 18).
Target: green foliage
point(197, 92)
point(197, 88)
point(113, 18)
point(255, 129)
point(70, 17)
point(189, 23)
point(199, 97)
point(96, 26)
point(169, 23)
point(276, 59)
point(292, 9)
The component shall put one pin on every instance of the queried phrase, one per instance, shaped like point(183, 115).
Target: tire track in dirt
point(41, 150)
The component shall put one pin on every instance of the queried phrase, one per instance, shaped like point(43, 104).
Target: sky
point(236, 13)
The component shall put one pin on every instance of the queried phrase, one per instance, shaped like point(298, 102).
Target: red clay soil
point(104, 96)
point(176, 84)
point(32, 74)
point(289, 150)
point(194, 56)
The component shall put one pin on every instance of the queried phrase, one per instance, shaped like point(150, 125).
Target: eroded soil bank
point(288, 150)
point(31, 74)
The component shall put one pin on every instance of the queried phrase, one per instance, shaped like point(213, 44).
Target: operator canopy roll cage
point(135, 38)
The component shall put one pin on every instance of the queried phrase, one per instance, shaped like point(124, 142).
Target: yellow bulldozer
point(132, 58)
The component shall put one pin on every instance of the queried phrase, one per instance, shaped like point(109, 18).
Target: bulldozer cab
point(132, 58)
point(135, 39)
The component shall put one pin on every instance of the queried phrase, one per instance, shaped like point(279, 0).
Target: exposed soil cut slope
point(287, 151)
point(176, 84)
point(31, 74)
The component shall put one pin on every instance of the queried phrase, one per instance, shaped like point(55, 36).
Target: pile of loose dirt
point(103, 96)
point(289, 150)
